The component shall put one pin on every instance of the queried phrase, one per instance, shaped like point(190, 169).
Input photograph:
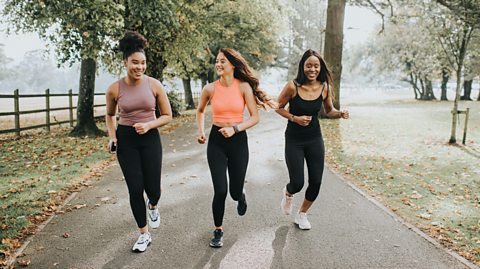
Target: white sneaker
point(286, 203)
point(302, 221)
point(153, 216)
point(142, 242)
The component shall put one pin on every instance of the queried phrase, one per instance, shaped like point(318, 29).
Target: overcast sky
point(359, 24)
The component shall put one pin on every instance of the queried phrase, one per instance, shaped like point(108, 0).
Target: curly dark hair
point(132, 42)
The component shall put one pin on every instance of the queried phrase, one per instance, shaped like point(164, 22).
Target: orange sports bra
point(228, 104)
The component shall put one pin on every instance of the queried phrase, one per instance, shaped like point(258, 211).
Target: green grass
point(398, 152)
point(36, 171)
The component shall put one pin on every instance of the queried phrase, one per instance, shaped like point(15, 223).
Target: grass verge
point(397, 151)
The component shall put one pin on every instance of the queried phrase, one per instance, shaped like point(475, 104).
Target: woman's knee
point(294, 187)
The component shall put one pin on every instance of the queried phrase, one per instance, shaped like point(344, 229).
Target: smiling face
point(312, 68)
point(136, 64)
point(222, 65)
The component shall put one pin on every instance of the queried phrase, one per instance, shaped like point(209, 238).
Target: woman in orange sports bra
point(227, 148)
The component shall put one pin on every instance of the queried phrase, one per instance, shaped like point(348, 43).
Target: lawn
point(397, 150)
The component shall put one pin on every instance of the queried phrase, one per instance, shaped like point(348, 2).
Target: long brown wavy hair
point(243, 72)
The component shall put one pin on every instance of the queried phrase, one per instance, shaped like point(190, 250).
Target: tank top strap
point(321, 93)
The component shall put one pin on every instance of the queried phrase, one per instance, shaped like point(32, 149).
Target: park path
point(349, 230)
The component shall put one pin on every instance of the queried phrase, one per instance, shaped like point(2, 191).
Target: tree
point(4, 60)
point(208, 26)
point(334, 44)
point(405, 45)
point(159, 23)
point(304, 30)
point(81, 31)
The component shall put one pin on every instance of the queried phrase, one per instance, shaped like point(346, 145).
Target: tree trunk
point(467, 90)
point(211, 75)
point(430, 95)
point(334, 44)
point(85, 120)
point(461, 57)
point(422, 92)
point(478, 98)
point(445, 77)
point(204, 79)
point(187, 89)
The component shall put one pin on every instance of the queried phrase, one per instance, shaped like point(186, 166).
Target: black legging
point(311, 150)
point(140, 157)
point(226, 154)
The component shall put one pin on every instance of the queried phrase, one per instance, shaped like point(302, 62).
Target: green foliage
point(78, 29)
point(207, 26)
point(175, 102)
point(157, 21)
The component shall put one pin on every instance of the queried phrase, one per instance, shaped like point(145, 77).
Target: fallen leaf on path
point(416, 195)
point(79, 206)
point(24, 262)
point(425, 216)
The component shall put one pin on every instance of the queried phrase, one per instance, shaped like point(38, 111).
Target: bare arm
point(285, 96)
point(331, 111)
point(251, 106)
point(110, 116)
point(200, 115)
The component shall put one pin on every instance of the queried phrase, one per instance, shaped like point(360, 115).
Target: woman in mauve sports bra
point(303, 138)
point(136, 138)
point(227, 148)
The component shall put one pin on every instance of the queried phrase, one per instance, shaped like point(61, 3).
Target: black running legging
point(226, 154)
point(311, 150)
point(140, 157)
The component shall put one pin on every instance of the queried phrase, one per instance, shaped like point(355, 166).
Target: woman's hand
point(112, 145)
point(302, 120)
point(141, 128)
point(201, 138)
point(344, 114)
point(227, 131)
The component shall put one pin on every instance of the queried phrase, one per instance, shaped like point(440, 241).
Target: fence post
point(70, 105)
point(47, 109)
point(16, 107)
point(465, 127)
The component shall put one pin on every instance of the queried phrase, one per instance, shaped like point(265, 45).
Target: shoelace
point(154, 213)
point(142, 238)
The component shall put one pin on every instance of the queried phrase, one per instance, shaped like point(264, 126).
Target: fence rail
point(17, 112)
point(16, 96)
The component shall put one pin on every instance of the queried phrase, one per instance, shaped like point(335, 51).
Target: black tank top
point(301, 107)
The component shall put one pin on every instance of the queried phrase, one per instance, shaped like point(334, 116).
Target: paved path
point(349, 231)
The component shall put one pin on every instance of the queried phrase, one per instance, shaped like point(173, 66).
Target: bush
point(176, 103)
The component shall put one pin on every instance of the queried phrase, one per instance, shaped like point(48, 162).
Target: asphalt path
point(349, 230)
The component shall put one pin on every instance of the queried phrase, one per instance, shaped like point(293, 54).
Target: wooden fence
point(47, 109)
point(47, 95)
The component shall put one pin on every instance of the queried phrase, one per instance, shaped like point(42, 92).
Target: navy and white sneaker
point(142, 242)
point(153, 216)
point(217, 239)
point(242, 205)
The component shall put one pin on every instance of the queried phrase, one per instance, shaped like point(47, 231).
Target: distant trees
point(81, 31)
point(4, 60)
point(431, 40)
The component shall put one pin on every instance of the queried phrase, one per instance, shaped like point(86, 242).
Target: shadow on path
point(278, 245)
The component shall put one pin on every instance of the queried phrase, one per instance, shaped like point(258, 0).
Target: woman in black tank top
point(303, 138)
